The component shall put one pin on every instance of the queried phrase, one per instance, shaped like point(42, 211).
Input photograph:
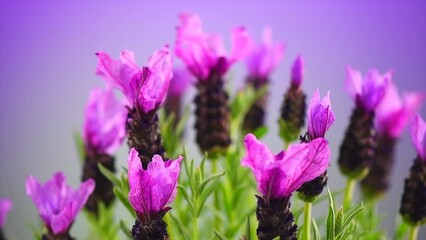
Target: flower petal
point(353, 83)
point(5, 206)
point(297, 71)
point(418, 136)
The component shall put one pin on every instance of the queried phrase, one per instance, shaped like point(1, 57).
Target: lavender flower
point(104, 132)
point(5, 206)
point(57, 203)
point(178, 85)
point(320, 115)
point(206, 58)
point(146, 87)
point(104, 122)
point(150, 192)
point(413, 207)
point(297, 71)
point(278, 176)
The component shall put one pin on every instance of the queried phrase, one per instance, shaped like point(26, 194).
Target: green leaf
point(331, 218)
point(206, 181)
point(260, 132)
point(125, 229)
point(248, 229)
point(317, 235)
point(124, 200)
point(182, 228)
point(339, 220)
point(220, 235)
point(109, 175)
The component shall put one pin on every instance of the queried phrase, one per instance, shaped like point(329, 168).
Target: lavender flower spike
point(57, 203)
point(278, 176)
point(5, 206)
point(320, 115)
point(150, 192)
point(418, 136)
point(297, 71)
point(104, 122)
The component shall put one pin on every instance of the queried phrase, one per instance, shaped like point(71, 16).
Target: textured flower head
point(297, 71)
point(180, 81)
point(367, 92)
point(57, 203)
point(204, 52)
point(418, 136)
point(280, 175)
point(5, 206)
point(152, 189)
point(146, 87)
point(320, 115)
point(264, 57)
point(104, 122)
point(393, 113)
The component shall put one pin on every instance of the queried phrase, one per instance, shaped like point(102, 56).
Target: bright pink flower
point(146, 87)
point(204, 52)
point(418, 136)
point(104, 122)
point(5, 206)
point(180, 81)
point(367, 92)
point(393, 114)
point(320, 115)
point(57, 203)
point(152, 189)
point(298, 71)
point(279, 176)
point(265, 56)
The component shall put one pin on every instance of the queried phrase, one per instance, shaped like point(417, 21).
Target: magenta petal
point(135, 180)
point(374, 88)
point(297, 71)
point(418, 136)
point(240, 44)
point(5, 206)
point(320, 115)
point(353, 83)
point(180, 82)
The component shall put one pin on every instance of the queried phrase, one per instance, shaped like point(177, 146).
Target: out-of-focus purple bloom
point(57, 203)
point(367, 92)
point(297, 71)
point(5, 206)
point(180, 81)
point(280, 175)
point(393, 113)
point(145, 87)
point(265, 56)
point(104, 123)
point(202, 52)
point(320, 115)
point(152, 189)
point(418, 136)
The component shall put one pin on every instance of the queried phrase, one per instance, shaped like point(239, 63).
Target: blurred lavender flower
point(278, 176)
point(206, 58)
point(413, 207)
point(261, 61)
point(104, 132)
point(146, 90)
point(359, 144)
point(297, 71)
point(5, 206)
point(57, 203)
point(320, 115)
point(392, 115)
point(178, 85)
point(104, 122)
point(150, 191)
point(145, 87)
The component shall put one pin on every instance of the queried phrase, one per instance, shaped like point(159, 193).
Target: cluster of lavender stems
point(365, 155)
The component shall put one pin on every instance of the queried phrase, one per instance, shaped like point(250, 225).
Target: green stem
point(216, 196)
point(194, 227)
point(307, 226)
point(349, 192)
point(414, 231)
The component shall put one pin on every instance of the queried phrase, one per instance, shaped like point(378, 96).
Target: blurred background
point(47, 66)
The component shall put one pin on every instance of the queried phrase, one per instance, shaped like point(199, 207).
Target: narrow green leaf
point(331, 218)
point(204, 196)
point(339, 220)
point(108, 174)
point(125, 229)
point(220, 235)
point(124, 200)
point(206, 181)
point(248, 229)
point(317, 235)
point(182, 229)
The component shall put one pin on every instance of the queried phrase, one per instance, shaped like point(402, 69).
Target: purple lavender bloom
point(393, 113)
point(202, 52)
point(280, 175)
point(265, 56)
point(320, 115)
point(297, 71)
point(367, 92)
point(418, 136)
point(5, 206)
point(152, 189)
point(180, 82)
point(104, 122)
point(145, 87)
point(57, 203)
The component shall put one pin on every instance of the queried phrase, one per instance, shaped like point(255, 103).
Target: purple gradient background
point(47, 66)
